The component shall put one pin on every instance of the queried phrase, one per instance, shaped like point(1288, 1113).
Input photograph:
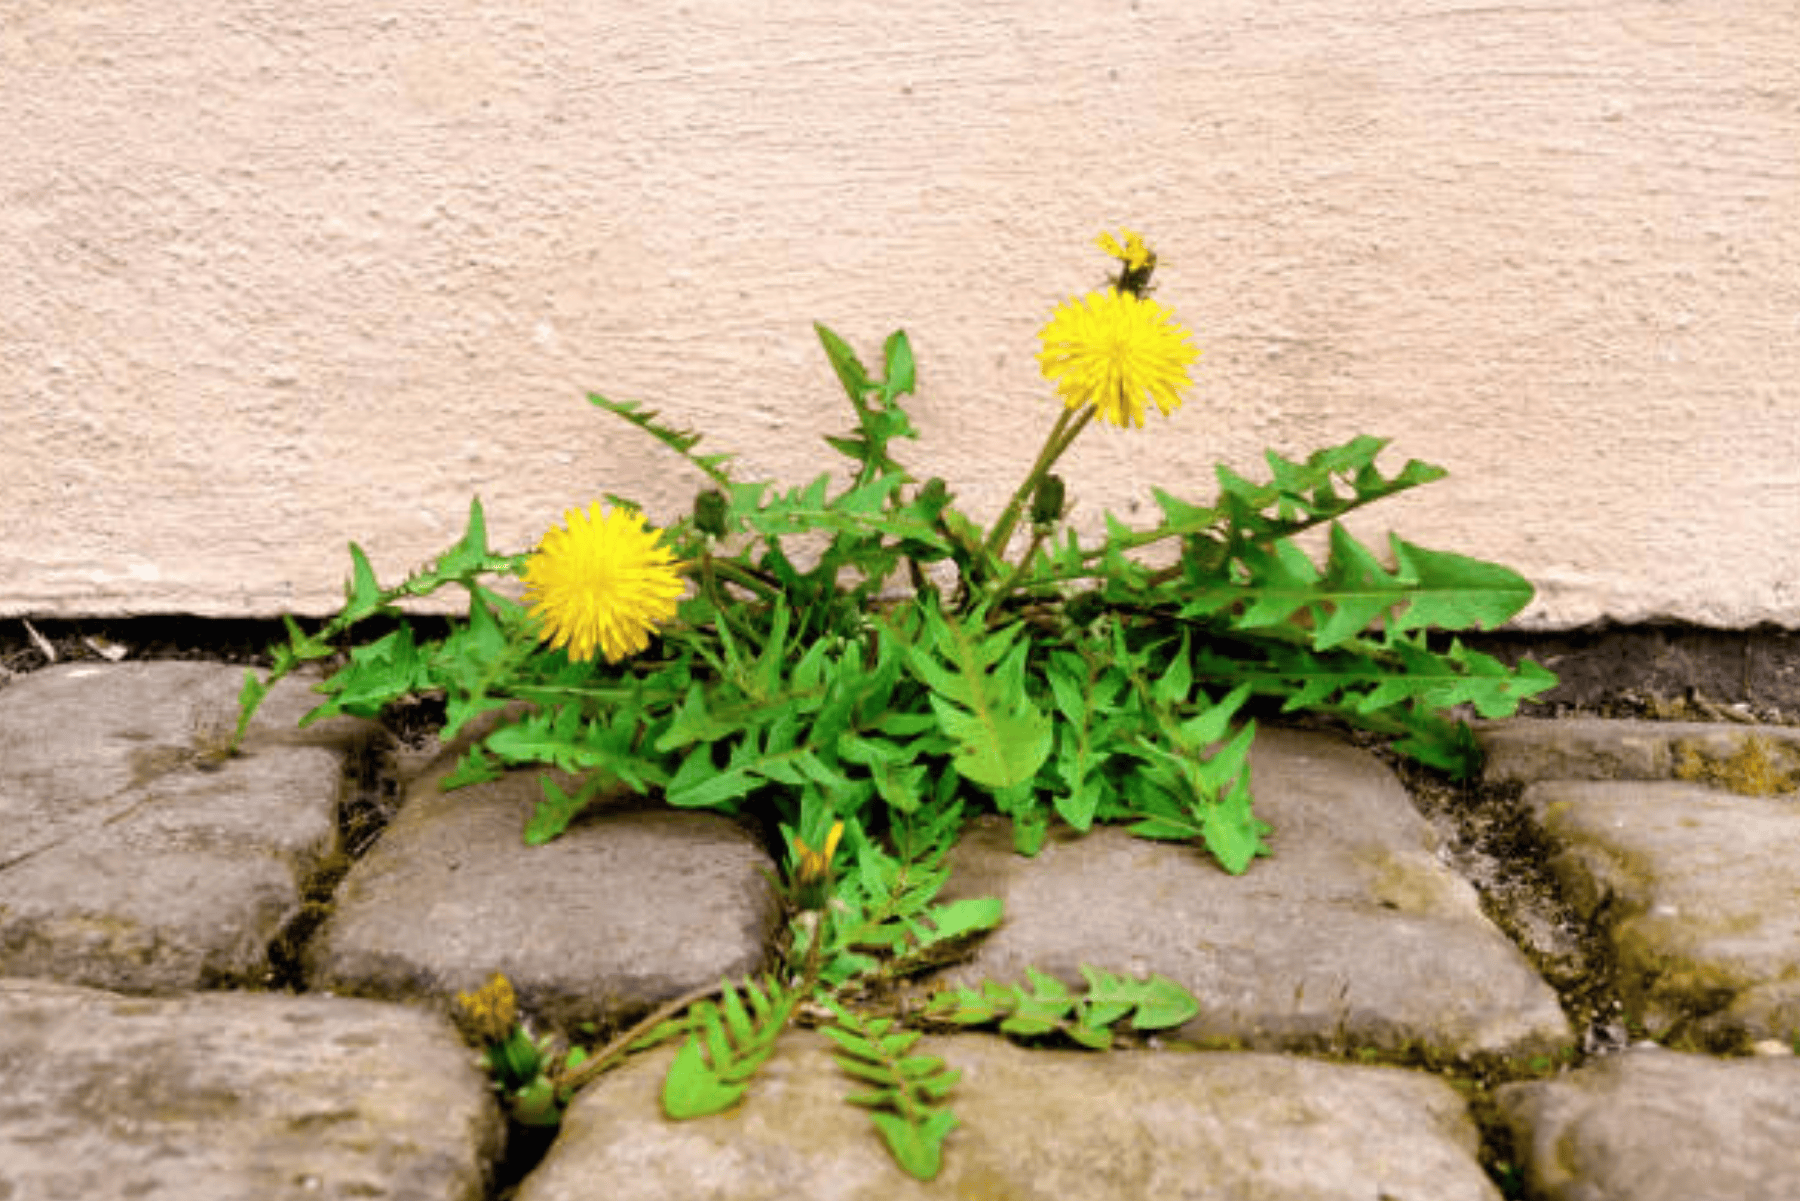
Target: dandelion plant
point(911, 664)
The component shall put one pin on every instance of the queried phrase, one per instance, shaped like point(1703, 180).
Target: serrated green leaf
point(1455, 592)
point(710, 1072)
point(363, 592)
point(875, 1073)
point(959, 919)
point(1172, 686)
point(680, 441)
point(877, 1099)
point(894, 1046)
point(916, 1148)
point(1000, 738)
point(913, 1130)
point(1160, 1003)
point(1210, 725)
point(1164, 1005)
point(554, 812)
point(737, 1020)
point(475, 767)
point(1232, 832)
point(1045, 987)
point(1094, 1038)
point(692, 1089)
point(898, 366)
point(851, 1041)
point(250, 696)
point(1358, 589)
point(1031, 1025)
point(469, 554)
point(964, 1006)
point(844, 363)
point(1167, 829)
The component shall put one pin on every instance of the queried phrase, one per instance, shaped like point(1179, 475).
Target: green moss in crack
point(1756, 767)
point(316, 894)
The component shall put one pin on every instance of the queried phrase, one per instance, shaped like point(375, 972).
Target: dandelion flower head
point(605, 581)
point(1115, 350)
point(1128, 248)
point(813, 865)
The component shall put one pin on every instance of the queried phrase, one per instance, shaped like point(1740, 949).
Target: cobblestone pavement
point(213, 986)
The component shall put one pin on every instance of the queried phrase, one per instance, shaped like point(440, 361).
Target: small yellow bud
point(493, 1010)
point(812, 869)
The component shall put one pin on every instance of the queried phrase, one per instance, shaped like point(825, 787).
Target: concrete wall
point(275, 275)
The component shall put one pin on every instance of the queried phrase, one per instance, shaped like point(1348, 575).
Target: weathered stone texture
point(623, 911)
point(1697, 891)
point(1034, 1124)
point(222, 1097)
point(1653, 1125)
point(129, 859)
point(1352, 933)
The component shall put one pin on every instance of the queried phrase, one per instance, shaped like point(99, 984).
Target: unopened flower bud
point(709, 512)
point(1047, 501)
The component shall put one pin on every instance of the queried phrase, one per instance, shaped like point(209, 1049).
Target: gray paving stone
point(1698, 892)
point(223, 1096)
point(1527, 750)
point(1034, 1124)
point(127, 859)
point(1654, 1125)
point(622, 912)
point(1352, 933)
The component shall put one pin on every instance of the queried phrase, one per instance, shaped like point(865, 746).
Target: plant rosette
point(913, 664)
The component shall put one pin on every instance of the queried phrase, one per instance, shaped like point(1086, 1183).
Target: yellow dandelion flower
point(1113, 350)
point(604, 582)
point(812, 869)
point(1131, 251)
point(814, 864)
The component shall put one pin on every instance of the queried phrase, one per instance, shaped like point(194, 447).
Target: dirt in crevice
point(1487, 837)
point(367, 800)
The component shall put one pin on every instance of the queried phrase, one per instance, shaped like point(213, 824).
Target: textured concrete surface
point(248, 252)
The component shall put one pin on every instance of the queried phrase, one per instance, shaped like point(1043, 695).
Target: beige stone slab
point(223, 1096)
point(129, 858)
point(1353, 932)
point(624, 911)
point(1119, 1126)
point(1530, 750)
point(1698, 890)
point(1654, 1125)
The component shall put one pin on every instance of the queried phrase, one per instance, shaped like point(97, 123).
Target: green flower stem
point(568, 1083)
point(1012, 580)
point(1068, 425)
point(815, 954)
point(738, 573)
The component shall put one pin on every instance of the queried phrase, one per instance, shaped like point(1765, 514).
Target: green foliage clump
point(1078, 682)
point(1046, 1006)
point(859, 659)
